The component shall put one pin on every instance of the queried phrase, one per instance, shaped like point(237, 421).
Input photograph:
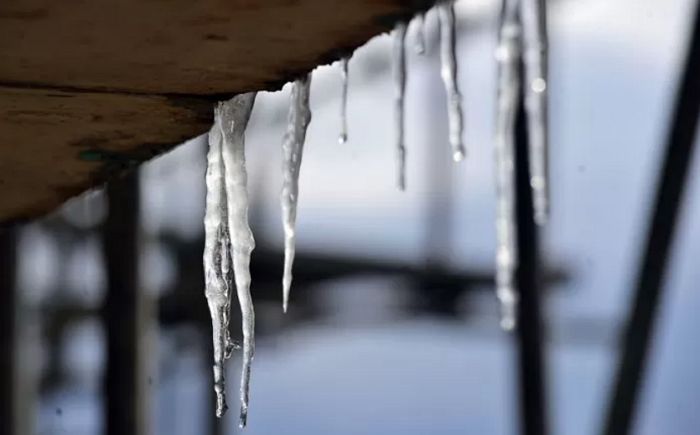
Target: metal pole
point(669, 195)
point(8, 333)
point(533, 406)
point(124, 387)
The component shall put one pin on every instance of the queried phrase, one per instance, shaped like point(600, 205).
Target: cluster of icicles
point(229, 240)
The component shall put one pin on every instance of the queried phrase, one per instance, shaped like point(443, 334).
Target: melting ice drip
point(398, 61)
point(216, 256)
point(229, 241)
point(448, 71)
point(419, 43)
point(534, 22)
point(521, 35)
point(344, 65)
point(292, 150)
point(507, 56)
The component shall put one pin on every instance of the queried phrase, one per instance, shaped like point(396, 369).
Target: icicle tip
point(508, 323)
point(287, 276)
point(541, 219)
point(243, 418)
point(221, 405)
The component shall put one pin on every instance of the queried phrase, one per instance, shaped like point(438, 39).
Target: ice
point(448, 71)
point(229, 241)
point(292, 149)
point(508, 82)
point(419, 43)
point(344, 64)
point(533, 14)
point(398, 61)
point(216, 246)
point(233, 117)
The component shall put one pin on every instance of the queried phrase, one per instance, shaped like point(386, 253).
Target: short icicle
point(292, 150)
point(344, 75)
point(419, 43)
point(216, 255)
point(448, 71)
point(233, 119)
point(398, 61)
point(508, 57)
point(534, 22)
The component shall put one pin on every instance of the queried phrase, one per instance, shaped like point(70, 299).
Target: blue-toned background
point(379, 353)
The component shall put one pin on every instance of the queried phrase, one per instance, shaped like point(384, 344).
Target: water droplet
point(539, 85)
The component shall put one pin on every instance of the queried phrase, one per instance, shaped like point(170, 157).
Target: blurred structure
point(393, 322)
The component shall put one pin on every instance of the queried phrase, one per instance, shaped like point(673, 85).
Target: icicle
point(344, 101)
point(233, 119)
point(533, 13)
point(292, 149)
point(420, 45)
point(448, 71)
point(216, 246)
point(399, 71)
point(507, 56)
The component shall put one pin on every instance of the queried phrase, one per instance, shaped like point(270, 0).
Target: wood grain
point(91, 87)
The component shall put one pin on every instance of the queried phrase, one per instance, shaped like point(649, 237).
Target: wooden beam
point(89, 87)
point(56, 144)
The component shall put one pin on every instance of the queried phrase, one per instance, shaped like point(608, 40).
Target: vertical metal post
point(8, 333)
point(652, 268)
point(124, 385)
point(533, 406)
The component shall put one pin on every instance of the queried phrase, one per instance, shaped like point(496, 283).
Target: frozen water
point(507, 57)
point(448, 71)
point(292, 149)
point(398, 61)
point(533, 14)
point(344, 65)
point(229, 241)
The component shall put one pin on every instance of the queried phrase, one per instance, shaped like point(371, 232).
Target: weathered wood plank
point(56, 144)
point(90, 86)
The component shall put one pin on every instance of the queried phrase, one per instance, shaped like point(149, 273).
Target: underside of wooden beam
point(89, 88)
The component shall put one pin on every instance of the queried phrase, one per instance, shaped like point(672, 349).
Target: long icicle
point(508, 57)
point(398, 61)
point(344, 73)
point(233, 118)
point(534, 22)
point(292, 149)
point(448, 71)
point(216, 255)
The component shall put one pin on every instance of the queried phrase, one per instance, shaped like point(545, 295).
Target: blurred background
point(393, 323)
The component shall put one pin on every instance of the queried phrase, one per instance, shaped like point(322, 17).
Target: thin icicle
point(292, 149)
point(419, 44)
point(233, 119)
point(534, 22)
point(344, 64)
point(216, 253)
point(398, 61)
point(448, 71)
point(507, 56)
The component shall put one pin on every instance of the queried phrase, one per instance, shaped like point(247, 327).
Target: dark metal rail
point(652, 268)
point(528, 335)
point(8, 333)
point(123, 311)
